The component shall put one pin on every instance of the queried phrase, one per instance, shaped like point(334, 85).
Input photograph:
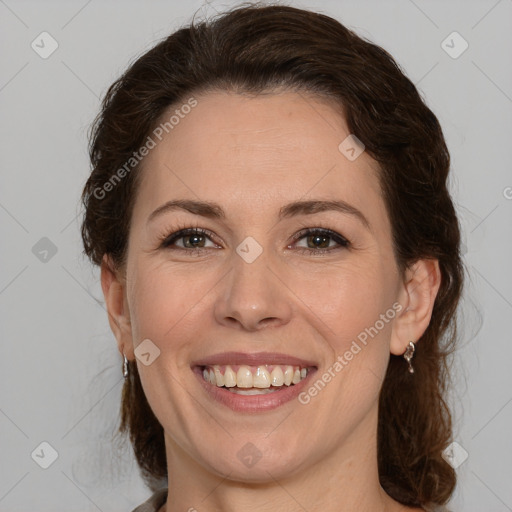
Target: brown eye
point(193, 241)
point(320, 240)
point(191, 238)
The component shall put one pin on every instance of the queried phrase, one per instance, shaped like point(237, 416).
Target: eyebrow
point(214, 211)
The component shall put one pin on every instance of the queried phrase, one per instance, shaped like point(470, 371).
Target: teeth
point(277, 376)
point(288, 375)
point(229, 377)
point(261, 378)
point(250, 380)
point(219, 378)
point(252, 391)
point(244, 377)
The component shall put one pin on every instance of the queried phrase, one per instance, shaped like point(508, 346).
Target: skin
point(251, 156)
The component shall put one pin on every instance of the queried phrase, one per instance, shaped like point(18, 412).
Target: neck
point(345, 480)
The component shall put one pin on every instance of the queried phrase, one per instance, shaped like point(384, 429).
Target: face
point(273, 252)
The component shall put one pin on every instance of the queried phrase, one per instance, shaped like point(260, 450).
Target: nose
point(251, 297)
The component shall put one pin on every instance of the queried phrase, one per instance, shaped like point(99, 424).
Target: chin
point(258, 461)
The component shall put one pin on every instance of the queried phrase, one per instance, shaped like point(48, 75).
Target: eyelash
point(343, 243)
point(167, 241)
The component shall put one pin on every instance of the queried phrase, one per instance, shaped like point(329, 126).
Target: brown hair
point(255, 49)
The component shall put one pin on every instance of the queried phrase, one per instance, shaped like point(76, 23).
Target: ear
point(416, 296)
point(114, 291)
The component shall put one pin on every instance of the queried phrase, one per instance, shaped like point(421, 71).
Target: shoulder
point(153, 503)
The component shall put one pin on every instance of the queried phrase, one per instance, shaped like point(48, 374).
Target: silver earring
point(408, 355)
point(125, 367)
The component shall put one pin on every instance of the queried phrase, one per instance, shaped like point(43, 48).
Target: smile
point(253, 382)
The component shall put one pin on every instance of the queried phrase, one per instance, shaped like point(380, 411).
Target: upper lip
point(253, 359)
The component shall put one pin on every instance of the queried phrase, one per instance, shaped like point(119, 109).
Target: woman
point(280, 262)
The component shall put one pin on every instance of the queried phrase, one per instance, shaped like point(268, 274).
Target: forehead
point(255, 151)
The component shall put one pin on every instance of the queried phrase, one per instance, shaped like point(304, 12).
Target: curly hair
point(256, 49)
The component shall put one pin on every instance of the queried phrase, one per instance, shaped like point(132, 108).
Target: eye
point(190, 238)
point(320, 241)
point(312, 240)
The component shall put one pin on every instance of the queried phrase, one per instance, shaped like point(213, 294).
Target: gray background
point(60, 369)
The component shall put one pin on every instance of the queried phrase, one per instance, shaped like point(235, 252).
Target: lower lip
point(253, 403)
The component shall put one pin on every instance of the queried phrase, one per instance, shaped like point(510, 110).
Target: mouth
point(253, 382)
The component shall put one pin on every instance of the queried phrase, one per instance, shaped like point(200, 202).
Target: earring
point(408, 355)
point(125, 367)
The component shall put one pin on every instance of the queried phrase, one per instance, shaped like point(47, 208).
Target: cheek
point(349, 304)
point(162, 299)
point(165, 307)
point(344, 300)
